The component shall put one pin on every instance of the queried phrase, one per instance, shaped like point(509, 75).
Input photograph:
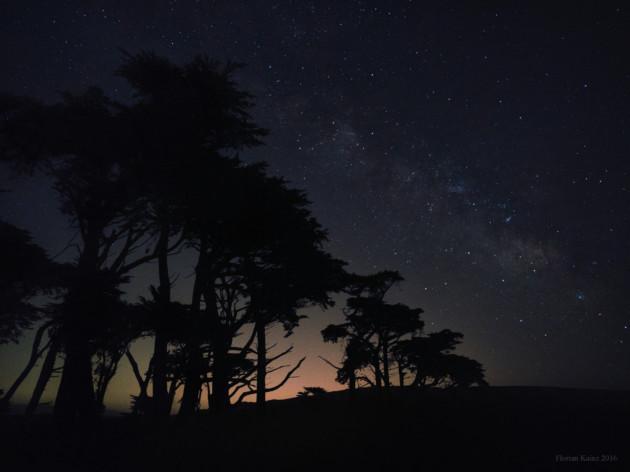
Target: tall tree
point(80, 144)
point(183, 117)
point(372, 327)
point(289, 272)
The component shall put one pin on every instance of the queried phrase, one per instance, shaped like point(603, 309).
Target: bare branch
point(239, 388)
point(366, 380)
point(66, 247)
point(177, 244)
point(280, 367)
point(135, 368)
point(329, 363)
point(275, 387)
point(278, 356)
point(246, 348)
point(120, 259)
point(107, 245)
point(141, 260)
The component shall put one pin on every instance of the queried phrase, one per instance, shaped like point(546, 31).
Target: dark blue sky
point(483, 151)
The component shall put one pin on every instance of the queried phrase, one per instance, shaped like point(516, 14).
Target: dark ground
point(497, 428)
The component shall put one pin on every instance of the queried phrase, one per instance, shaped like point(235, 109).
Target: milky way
point(481, 151)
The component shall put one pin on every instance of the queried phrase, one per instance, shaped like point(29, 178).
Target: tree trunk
point(160, 354)
point(35, 354)
point(261, 353)
point(418, 379)
point(160, 389)
point(190, 397)
point(104, 382)
point(378, 377)
point(209, 394)
point(44, 376)
point(172, 390)
point(220, 345)
point(193, 382)
point(352, 381)
point(142, 400)
point(220, 376)
point(385, 344)
point(75, 397)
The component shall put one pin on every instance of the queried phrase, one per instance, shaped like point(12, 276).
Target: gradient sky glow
point(483, 151)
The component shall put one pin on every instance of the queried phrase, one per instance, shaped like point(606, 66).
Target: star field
point(480, 150)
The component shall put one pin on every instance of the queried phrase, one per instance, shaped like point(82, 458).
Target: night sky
point(482, 151)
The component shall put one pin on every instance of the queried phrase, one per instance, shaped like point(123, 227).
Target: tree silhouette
point(27, 271)
point(308, 392)
point(431, 360)
point(182, 116)
point(422, 355)
point(289, 272)
point(80, 144)
point(358, 355)
point(46, 373)
point(372, 327)
point(124, 324)
point(110, 164)
point(463, 371)
point(377, 333)
point(253, 268)
point(160, 177)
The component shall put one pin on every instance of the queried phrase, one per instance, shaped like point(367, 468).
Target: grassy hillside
point(504, 428)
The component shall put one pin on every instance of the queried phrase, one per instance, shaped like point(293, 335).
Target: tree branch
point(275, 387)
point(329, 363)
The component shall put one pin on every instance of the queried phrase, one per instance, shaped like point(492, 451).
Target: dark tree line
point(159, 178)
point(381, 337)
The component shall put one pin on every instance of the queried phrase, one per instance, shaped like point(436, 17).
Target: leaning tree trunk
point(105, 380)
point(35, 354)
point(172, 390)
point(44, 376)
point(261, 374)
point(142, 399)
